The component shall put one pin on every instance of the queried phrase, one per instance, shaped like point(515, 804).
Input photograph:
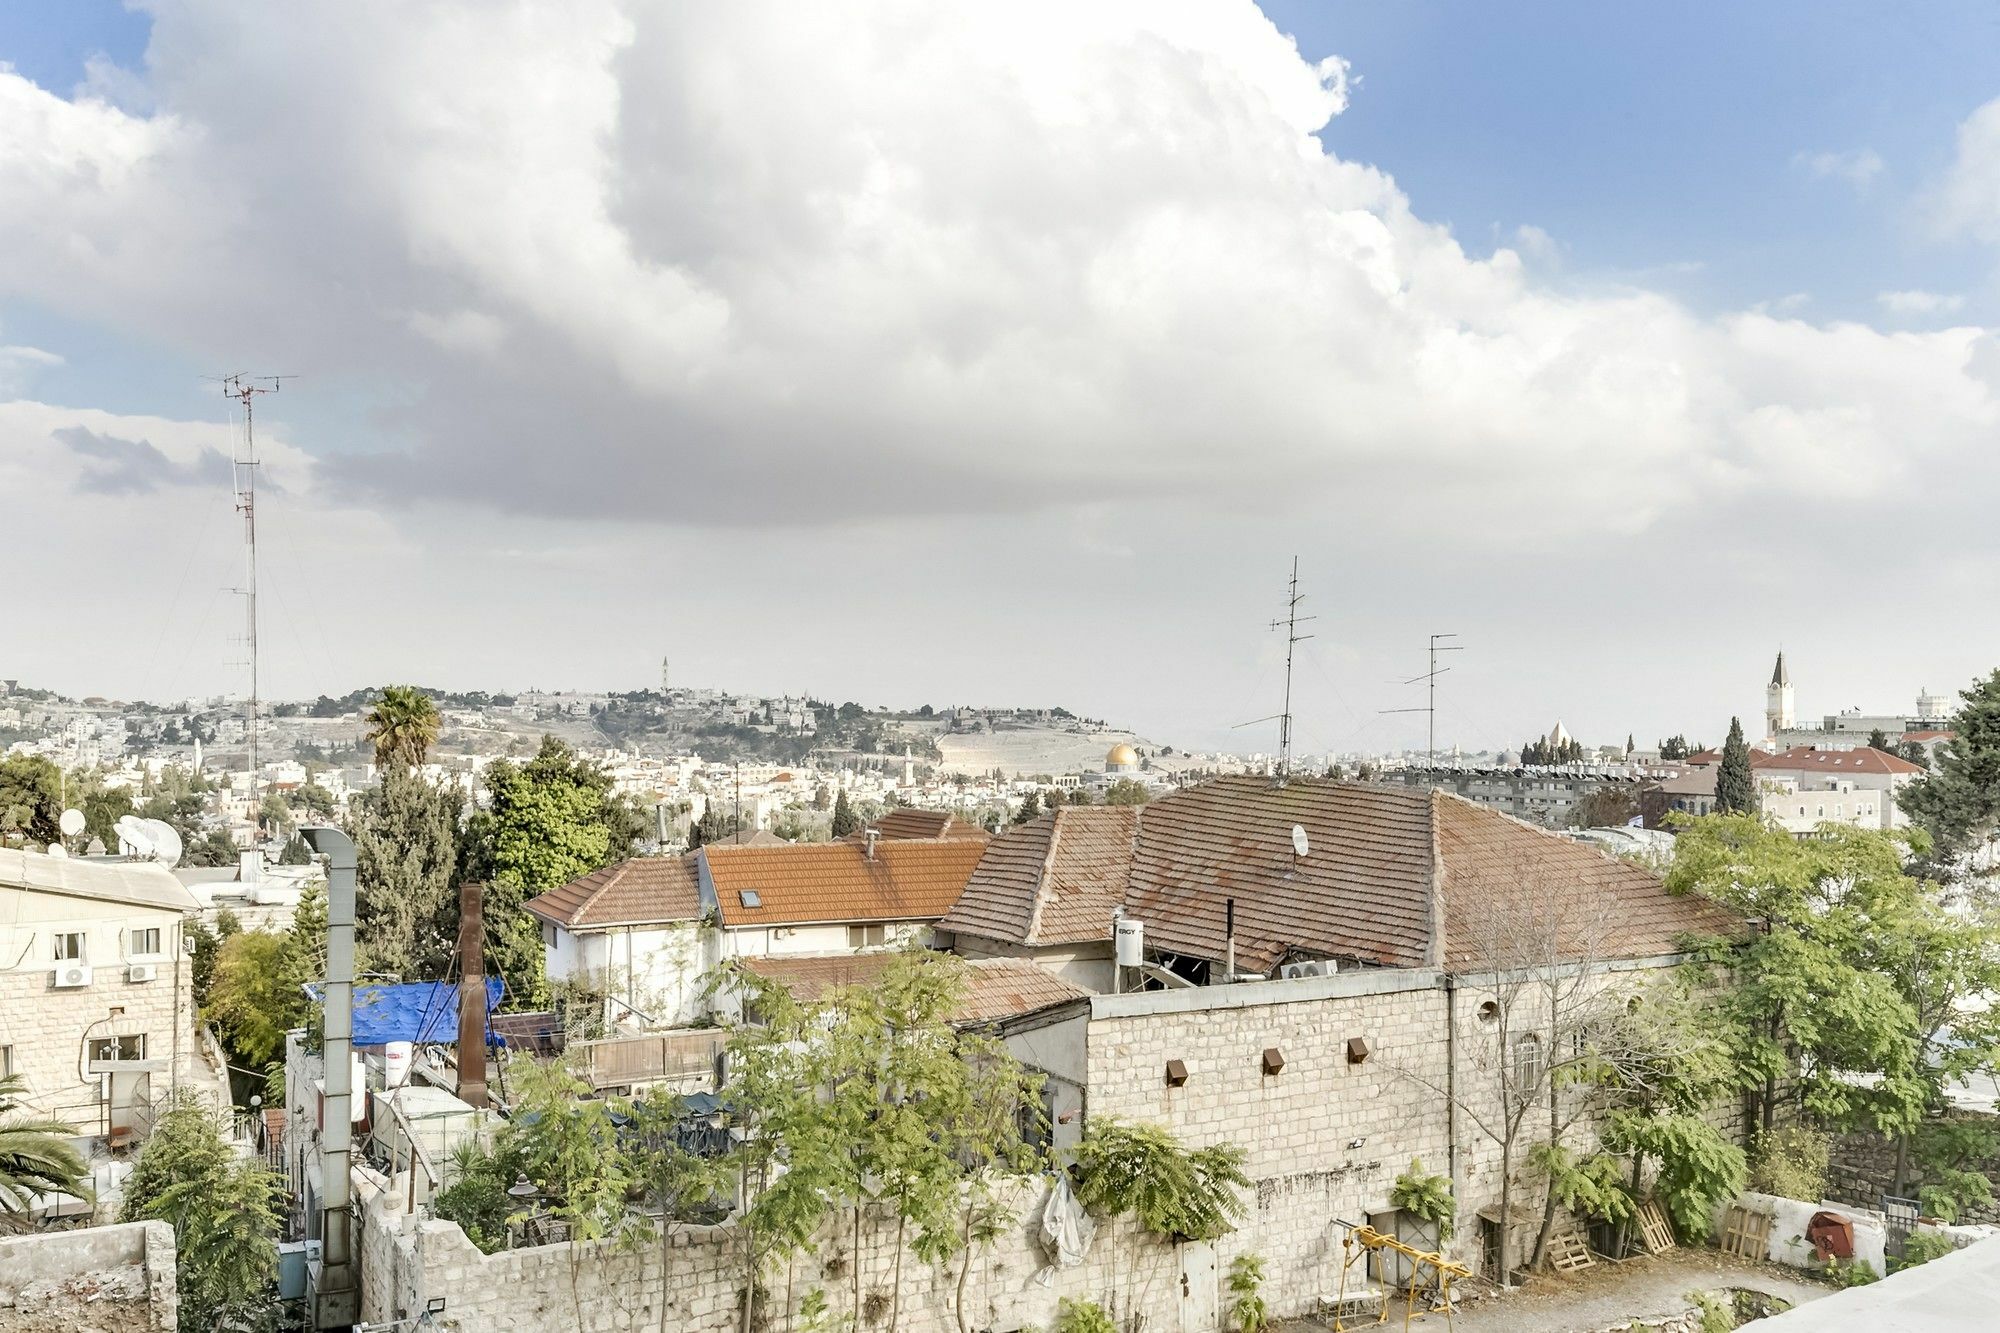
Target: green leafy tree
point(1143, 1171)
point(1878, 739)
point(1674, 747)
point(35, 1153)
point(548, 821)
point(314, 800)
point(212, 848)
point(402, 726)
point(257, 993)
point(30, 799)
point(845, 821)
point(406, 834)
point(274, 814)
point(1247, 1307)
point(223, 1209)
point(102, 806)
point(1958, 802)
point(1840, 973)
point(675, 1182)
point(1735, 788)
point(1031, 808)
point(1127, 791)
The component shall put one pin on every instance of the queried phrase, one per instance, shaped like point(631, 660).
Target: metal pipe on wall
point(337, 1293)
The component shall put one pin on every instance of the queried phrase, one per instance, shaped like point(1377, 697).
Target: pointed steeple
point(1780, 676)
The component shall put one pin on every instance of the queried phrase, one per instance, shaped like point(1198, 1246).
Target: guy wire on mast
point(1290, 624)
point(244, 389)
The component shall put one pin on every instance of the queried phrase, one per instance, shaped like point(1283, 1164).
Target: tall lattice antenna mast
point(244, 389)
point(1290, 624)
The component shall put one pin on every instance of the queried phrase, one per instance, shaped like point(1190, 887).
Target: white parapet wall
point(1790, 1217)
point(119, 1279)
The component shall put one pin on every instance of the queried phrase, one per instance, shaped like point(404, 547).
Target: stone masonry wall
point(1861, 1168)
point(116, 1279)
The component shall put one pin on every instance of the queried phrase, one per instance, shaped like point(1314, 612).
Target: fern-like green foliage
point(1699, 1166)
point(1082, 1317)
point(1594, 1186)
point(1427, 1198)
point(1246, 1304)
point(1143, 1170)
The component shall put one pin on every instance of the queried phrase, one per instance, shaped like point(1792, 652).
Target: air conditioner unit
point(142, 971)
point(1316, 968)
point(71, 975)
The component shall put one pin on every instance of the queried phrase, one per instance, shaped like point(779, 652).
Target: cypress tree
point(1735, 791)
point(845, 821)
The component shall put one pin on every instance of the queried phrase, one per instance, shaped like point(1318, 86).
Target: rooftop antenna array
point(1290, 624)
point(1430, 679)
point(243, 472)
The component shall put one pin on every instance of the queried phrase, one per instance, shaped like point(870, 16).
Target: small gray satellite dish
point(71, 823)
point(1299, 844)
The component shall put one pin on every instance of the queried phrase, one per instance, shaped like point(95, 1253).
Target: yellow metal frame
point(1361, 1241)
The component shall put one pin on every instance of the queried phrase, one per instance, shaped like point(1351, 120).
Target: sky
point(917, 353)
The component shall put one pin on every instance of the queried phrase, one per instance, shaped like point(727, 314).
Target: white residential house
point(96, 1002)
point(646, 932)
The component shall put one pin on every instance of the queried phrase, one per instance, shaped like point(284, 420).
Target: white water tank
point(1129, 938)
point(396, 1063)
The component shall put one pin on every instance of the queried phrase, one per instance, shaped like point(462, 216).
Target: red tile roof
point(1813, 759)
point(643, 891)
point(905, 880)
point(908, 823)
point(1054, 880)
point(1381, 863)
point(995, 988)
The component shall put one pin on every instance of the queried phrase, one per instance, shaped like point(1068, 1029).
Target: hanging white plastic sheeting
point(1066, 1230)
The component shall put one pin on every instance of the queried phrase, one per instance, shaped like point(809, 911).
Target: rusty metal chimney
point(471, 997)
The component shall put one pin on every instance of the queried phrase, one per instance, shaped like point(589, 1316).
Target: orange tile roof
point(1054, 880)
point(642, 891)
point(909, 823)
point(905, 880)
point(1861, 759)
point(1381, 863)
point(995, 988)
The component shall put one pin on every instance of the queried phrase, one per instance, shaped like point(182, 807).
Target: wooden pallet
point(1568, 1252)
point(1746, 1233)
point(1655, 1236)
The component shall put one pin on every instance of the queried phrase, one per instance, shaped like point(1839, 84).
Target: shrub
point(1246, 1278)
point(1717, 1316)
point(1426, 1198)
point(1851, 1273)
point(1171, 1191)
point(1790, 1162)
point(1924, 1245)
point(1082, 1317)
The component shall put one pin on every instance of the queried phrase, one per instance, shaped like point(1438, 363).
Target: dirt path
point(1601, 1296)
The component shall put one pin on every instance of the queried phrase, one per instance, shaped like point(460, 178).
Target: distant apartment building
point(96, 1002)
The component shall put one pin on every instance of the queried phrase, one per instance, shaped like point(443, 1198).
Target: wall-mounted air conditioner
point(142, 972)
point(70, 976)
point(1318, 967)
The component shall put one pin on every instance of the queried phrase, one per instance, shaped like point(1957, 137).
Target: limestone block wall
point(119, 1279)
point(1861, 1168)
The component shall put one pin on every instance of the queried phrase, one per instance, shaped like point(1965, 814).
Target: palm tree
point(403, 725)
point(35, 1155)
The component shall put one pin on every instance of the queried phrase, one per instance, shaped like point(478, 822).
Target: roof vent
point(871, 837)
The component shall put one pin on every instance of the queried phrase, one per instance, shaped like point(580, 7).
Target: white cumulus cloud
point(1857, 167)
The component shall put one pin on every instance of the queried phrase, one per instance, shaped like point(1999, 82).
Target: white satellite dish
point(71, 823)
point(133, 840)
point(1299, 844)
point(56, 850)
point(166, 843)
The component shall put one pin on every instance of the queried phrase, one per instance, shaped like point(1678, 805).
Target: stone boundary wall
point(112, 1278)
point(1861, 1169)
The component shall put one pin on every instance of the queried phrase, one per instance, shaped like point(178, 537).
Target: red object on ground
point(1832, 1236)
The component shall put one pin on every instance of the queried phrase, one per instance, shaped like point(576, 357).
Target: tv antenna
point(1290, 624)
point(243, 471)
point(1430, 678)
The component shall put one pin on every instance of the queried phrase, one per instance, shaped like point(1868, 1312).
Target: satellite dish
point(56, 850)
point(133, 840)
point(166, 843)
point(1299, 844)
point(71, 823)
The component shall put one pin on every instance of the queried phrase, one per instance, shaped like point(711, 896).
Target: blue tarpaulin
point(418, 1011)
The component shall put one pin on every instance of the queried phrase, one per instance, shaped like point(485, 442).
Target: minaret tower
point(1778, 699)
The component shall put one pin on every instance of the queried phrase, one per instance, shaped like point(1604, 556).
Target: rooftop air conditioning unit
point(142, 972)
point(1318, 967)
point(71, 975)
